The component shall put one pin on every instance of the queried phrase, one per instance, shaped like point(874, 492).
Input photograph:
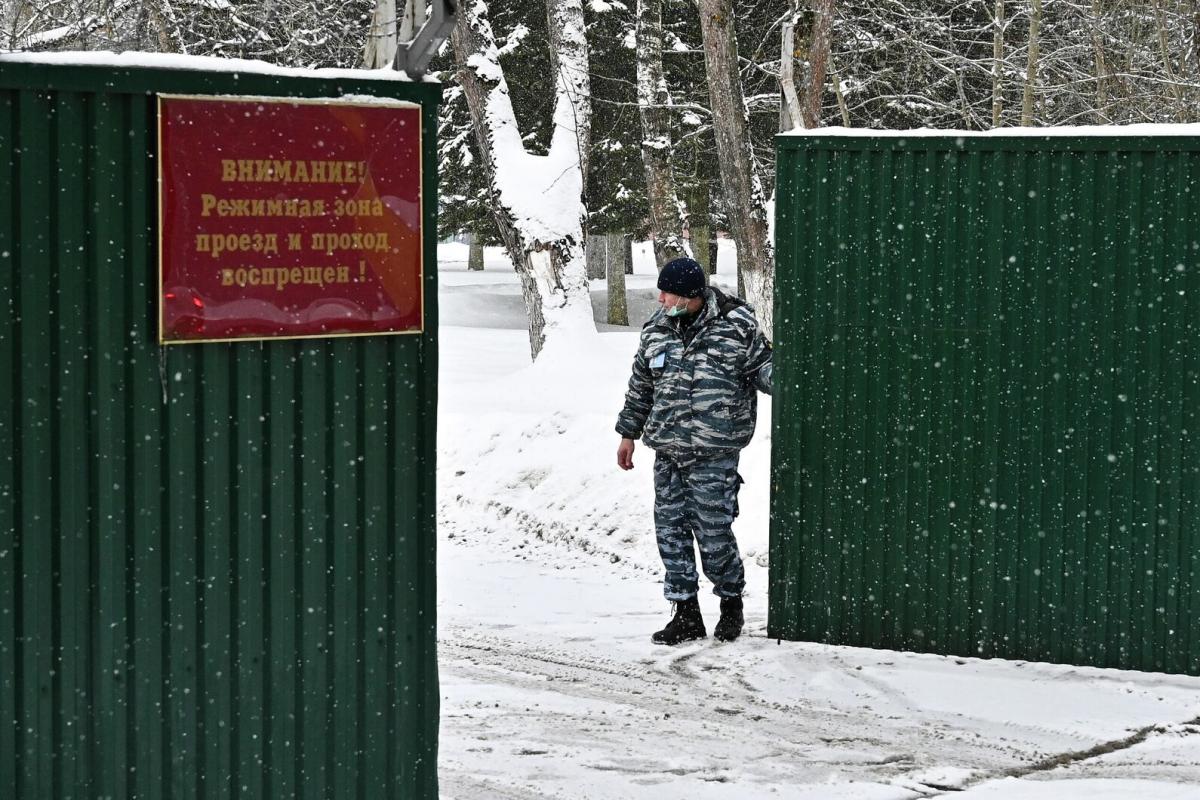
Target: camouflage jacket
point(693, 389)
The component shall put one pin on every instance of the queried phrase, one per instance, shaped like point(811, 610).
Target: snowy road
point(550, 689)
point(548, 593)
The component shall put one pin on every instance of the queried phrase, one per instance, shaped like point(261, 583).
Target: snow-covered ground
point(549, 591)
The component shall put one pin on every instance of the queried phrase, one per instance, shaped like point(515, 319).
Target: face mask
point(678, 310)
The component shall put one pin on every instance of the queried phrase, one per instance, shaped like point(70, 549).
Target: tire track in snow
point(698, 696)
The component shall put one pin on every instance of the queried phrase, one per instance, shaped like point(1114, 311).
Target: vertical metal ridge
point(53, 460)
point(1126, 389)
point(217, 531)
point(922, 567)
point(827, 465)
point(877, 340)
point(373, 706)
point(146, 481)
point(1033, 523)
point(1190, 491)
point(9, 426)
point(313, 707)
point(110, 669)
point(126, 158)
point(1099, 505)
point(198, 432)
point(344, 542)
point(53, 457)
point(794, 464)
point(425, 526)
point(90, 614)
point(36, 492)
point(968, 301)
point(239, 551)
point(250, 621)
point(990, 206)
point(963, 314)
point(941, 457)
point(1172, 633)
point(1081, 371)
point(395, 720)
point(1149, 408)
point(776, 554)
point(183, 484)
point(17, 555)
point(283, 566)
point(362, 627)
point(1170, 464)
point(298, 544)
point(1061, 255)
point(836, 544)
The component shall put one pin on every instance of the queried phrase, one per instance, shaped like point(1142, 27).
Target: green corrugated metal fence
point(987, 411)
point(216, 561)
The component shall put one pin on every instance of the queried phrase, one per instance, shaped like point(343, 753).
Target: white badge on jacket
point(658, 361)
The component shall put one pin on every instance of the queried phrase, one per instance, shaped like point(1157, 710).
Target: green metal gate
point(987, 410)
point(217, 567)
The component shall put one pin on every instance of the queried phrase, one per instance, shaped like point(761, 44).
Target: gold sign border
point(385, 102)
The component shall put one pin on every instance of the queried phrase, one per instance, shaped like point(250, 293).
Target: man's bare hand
point(625, 454)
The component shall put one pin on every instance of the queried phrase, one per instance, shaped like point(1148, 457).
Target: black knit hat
point(683, 277)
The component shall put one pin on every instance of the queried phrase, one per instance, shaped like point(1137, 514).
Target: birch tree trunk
point(666, 212)
point(415, 13)
point(618, 307)
point(1031, 67)
point(744, 197)
point(997, 63)
point(380, 49)
point(789, 108)
point(537, 201)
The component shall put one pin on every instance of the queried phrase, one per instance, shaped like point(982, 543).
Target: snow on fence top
point(1071, 131)
point(198, 64)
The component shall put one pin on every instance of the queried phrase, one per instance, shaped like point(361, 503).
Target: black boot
point(686, 625)
point(730, 625)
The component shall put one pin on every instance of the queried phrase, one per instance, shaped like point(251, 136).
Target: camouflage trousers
point(696, 500)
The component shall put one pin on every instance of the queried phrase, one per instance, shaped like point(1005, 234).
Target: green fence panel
point(217, 561)
point(986, 433)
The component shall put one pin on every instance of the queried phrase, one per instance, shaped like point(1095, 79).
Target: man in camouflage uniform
point(692, 398)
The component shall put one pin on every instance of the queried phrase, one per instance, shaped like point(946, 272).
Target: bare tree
point(789, 107)
point(475, 252)
point(596, 253)
point(997, 63)
point(818, 62)
point(745, 201)
point(666, 211)
point(415, 14)
point(537, 200)
point(382, 37)
point(618, 307)
point(1031, 68)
